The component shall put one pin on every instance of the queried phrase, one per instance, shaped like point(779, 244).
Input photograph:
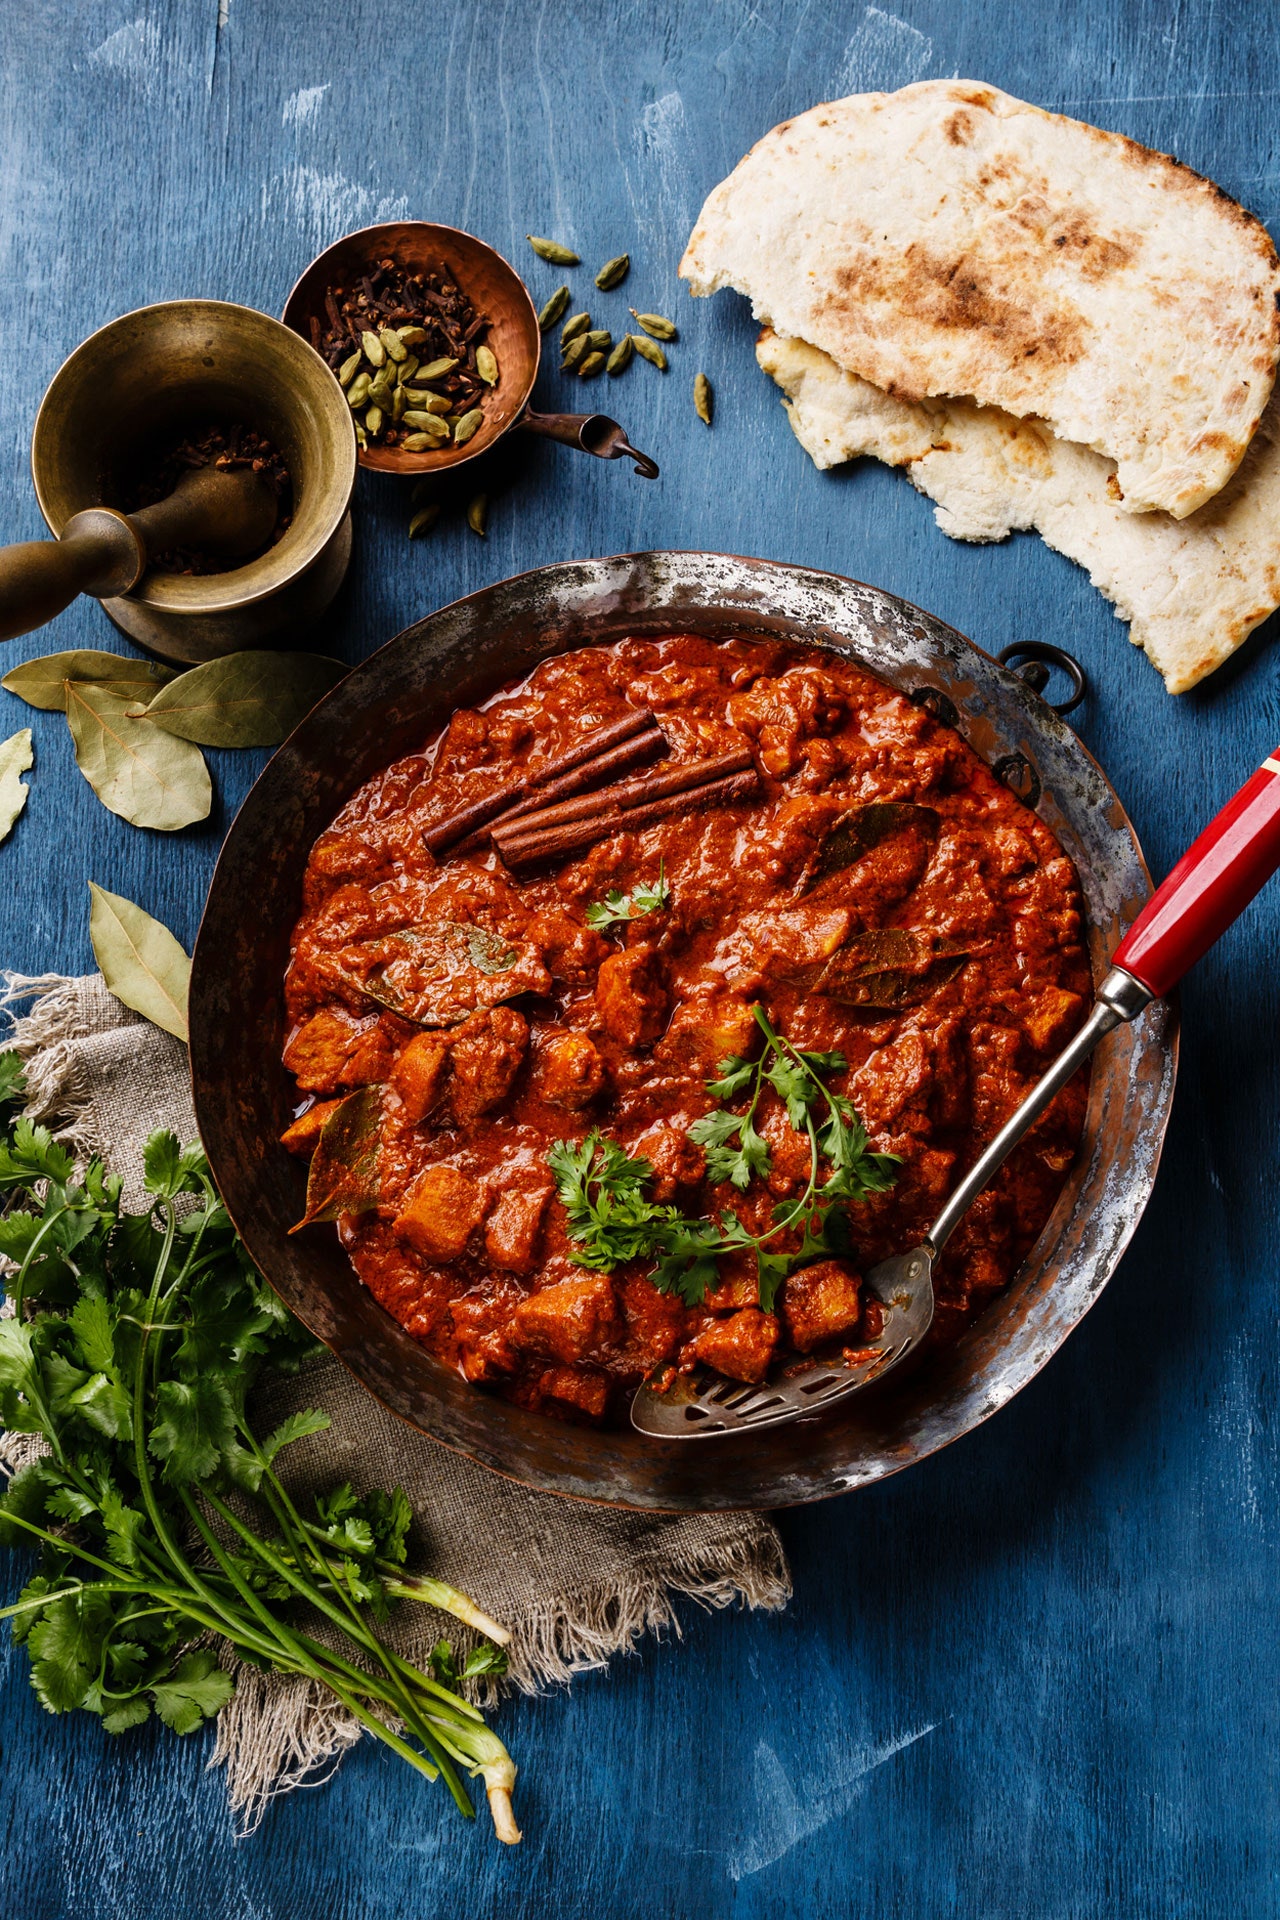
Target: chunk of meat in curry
point(500, 1021)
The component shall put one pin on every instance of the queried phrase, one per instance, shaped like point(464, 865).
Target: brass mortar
point(160, 373)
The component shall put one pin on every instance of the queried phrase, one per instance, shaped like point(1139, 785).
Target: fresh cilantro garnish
point(613, 1221)
point(617, 906)
point(134, 1342)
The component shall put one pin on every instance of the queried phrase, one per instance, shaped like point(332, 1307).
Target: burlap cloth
point(575, 1584)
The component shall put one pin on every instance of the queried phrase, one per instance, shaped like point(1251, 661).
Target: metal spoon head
point(703, 1403)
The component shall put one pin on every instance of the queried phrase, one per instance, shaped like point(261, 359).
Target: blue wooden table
point(1039, 1675)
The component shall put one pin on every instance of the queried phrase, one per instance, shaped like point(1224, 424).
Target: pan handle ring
point(1034, 660)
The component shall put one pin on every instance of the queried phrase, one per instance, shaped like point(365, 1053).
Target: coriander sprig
point(602, 1186)
point(618, 907)
point(133, 1346)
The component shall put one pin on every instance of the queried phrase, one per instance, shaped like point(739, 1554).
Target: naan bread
point(1192, 589)
point(950, 240)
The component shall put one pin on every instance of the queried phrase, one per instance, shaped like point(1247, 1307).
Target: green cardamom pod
point(412, 336)
point(428, 401)
point(573, 327)
point(478, 513)
point(397, 404)
point(425, 518)
point(381, 384)
point(553, 309)
point(574, 352)
point(358, 391)
point(591, 366)
point(468, 425)
point(487, 365)
point(599, 340)
point(620, 359)
point(373, 421)
point(436, 369)
point(406, 369)
point(420, 443)
point(374, 351)
point(392, 343)
point(654, 323)
point(613, 272)
point(362, 438)
point(552, 250)
point(702, 397)
point(649, 350)
point(347, 371)
point(424, 422)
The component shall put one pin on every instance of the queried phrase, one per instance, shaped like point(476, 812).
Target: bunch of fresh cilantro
point(164, 1532)
point(602, 1186)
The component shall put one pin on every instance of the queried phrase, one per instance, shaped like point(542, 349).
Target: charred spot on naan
point(957, 296)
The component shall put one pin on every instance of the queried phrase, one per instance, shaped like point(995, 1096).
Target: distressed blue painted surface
point(1037, 1677)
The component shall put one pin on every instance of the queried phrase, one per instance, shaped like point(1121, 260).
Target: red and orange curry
point(655, 1001)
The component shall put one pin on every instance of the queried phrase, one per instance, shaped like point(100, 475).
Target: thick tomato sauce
point(466, 1242)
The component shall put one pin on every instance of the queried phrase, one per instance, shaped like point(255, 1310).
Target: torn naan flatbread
point(949, 239)
point(1191, 589)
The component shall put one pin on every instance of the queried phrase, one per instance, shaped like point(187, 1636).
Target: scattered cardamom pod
point(373, 421)
point(573, 327)
point(392, 343)
point(655, 324)
point(358, 391)
point(487, 365)
point(613, 272)
point(574, 352)
point(591, 366)
point(649, 350)
point(702, 397)
point(552, 250)
point(467, 426)
point(599, 340)
point(553, 309)
point(620, 359)
point(347, 371)
point(414, 442)
point(436, 369)
point(423, 521)
point(374, 351)
point(478, 513)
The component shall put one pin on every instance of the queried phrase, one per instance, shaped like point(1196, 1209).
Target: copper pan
point(386, 708)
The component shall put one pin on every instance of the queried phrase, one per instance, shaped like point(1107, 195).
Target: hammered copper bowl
point(387, 707)
point(494, 288)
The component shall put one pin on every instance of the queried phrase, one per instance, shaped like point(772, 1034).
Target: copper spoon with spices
point(1208, 889)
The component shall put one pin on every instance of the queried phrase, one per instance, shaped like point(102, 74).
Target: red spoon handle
point(1210, 887)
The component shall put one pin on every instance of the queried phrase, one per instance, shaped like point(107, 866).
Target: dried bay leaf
point(346, 1174)
point(251, 699)
point(147, 776)
point(16, 756)
point(889, 967)
point(43, 682)
point(437, 975)
point(140, 960)
point(855, 834)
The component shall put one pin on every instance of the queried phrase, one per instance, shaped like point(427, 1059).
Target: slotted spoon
point(1209, 888)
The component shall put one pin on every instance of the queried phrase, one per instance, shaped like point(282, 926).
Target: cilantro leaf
point(197, 1690)
point(193, 1427)
point(617, 907)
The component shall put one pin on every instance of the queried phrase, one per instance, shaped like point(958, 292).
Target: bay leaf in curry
point(437, 975)
point(249, 699)
point(43, 682)
point(857, 833)
point(142, 963)
point(16, 757)
point(345, 1175)
point(889, 967)
point(149, 777)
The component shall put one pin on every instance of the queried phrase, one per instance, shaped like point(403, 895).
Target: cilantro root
point(134, 1344)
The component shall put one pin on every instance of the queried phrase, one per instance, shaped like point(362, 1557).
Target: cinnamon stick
point(628, 793)
point(571, 836)
point(593, 773)
point(457, 826)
